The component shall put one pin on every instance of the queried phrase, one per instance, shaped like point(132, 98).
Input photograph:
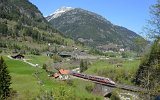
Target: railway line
point(107, 82)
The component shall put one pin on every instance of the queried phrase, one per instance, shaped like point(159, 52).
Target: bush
point(83, 66)
point(70, 83)
point(124, 55)
point(64, 94)
point(44, 67)
point(57, 58)
point(89, 88)
point(115, 96)
point(45, 95)
point(0, 51)
point(35, 52)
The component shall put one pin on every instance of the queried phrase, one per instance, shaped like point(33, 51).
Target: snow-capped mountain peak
point(58, 12)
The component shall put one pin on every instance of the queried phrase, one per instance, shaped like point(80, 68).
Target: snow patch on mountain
point(59, 12)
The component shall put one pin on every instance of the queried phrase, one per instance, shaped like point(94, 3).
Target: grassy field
point(23, 80)
point(119, 70)
point(38, 59)
point(30, 82)
point(28, 86)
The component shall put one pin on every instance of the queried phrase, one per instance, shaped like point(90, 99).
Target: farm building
point(19, 56)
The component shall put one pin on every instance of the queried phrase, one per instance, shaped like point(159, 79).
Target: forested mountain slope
point(91, 28)
point(23, 27)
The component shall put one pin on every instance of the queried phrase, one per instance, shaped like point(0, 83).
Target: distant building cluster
point(111, 48)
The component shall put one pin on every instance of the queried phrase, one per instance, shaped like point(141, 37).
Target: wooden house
point(19, 56)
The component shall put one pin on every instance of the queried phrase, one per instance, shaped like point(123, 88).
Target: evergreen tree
point(83, 66)
point(5, 80)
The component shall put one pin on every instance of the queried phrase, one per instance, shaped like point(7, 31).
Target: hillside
point(31, 83)
point(148, 74)
point(91, 28)
point(23, 28)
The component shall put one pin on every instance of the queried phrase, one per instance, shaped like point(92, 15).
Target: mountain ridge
point(58, 12)
point(93, 29)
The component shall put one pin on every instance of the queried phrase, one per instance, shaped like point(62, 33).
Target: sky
point(132, 14)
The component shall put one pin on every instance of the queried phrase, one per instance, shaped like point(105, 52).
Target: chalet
point(19, 56)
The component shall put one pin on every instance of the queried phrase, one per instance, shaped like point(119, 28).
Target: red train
point(98, 79)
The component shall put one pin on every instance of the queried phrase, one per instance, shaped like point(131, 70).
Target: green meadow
point(30, 82)
point(119, 70)
point(38, 59)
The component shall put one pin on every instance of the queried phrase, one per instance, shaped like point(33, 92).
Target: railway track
point(130, 88)
point(116, 85)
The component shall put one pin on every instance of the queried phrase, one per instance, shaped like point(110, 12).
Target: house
point(61, 74)
point(19, 56)
point(64, 74)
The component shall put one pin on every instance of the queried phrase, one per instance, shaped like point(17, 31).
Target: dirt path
point(34, 65)
point(24, 60)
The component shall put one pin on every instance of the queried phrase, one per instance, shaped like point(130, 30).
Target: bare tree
point(153, 27)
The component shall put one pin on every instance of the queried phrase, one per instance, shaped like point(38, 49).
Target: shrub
point(83, 66)
point(115, 96)
point(35, 52)
point(57, 58)
point(0, 51)
point(44, 67)
point(89, 88)
point(70, 82)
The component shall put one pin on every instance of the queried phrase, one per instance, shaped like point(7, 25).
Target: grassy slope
point(23, 80)
point(124, 74)
point(38, 59)
point(28, 87)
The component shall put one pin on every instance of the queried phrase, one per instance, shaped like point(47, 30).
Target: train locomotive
point(101, 80)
